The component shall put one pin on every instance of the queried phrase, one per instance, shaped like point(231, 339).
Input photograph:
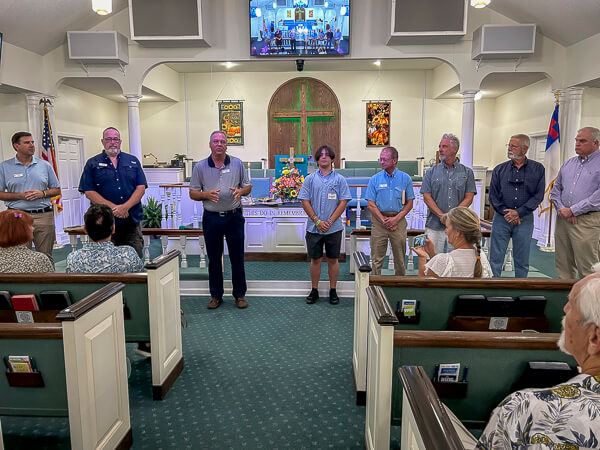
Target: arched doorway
point(304, 113)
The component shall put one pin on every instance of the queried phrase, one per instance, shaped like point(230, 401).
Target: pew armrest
point(424, 419)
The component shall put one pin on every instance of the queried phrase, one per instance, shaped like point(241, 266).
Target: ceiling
point(110, 89)
point(497, 84)
point(564, 21)
point(310, 65)
point(41, 25)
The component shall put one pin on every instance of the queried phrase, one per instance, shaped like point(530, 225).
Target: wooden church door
point(304, 113)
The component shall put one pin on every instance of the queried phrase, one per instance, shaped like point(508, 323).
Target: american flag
point(48, 153)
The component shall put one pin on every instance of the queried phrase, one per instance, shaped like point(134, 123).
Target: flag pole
point(549, 248)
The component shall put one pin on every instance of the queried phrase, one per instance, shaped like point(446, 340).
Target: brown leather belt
point(389, 214)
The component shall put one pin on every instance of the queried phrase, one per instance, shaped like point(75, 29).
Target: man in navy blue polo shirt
point(116, 179)
point(390, 195)
point(516, 190)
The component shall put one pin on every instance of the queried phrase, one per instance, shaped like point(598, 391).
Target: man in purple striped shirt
point(576, 196)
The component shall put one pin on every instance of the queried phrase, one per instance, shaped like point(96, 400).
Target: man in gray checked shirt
point(445, 186)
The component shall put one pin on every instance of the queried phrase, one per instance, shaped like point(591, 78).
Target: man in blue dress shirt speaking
point(516, 190)
point(324, 196)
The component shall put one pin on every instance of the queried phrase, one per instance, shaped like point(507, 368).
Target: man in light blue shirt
point(324, 196)
point(390, 195)
point(28, 183)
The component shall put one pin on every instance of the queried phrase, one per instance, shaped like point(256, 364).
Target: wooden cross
point(303, 114)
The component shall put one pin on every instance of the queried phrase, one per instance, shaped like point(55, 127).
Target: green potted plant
point(152, 214)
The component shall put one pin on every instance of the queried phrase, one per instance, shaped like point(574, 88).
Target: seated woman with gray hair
point(467, 259)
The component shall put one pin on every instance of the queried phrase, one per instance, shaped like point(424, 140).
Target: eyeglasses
point(513, 146)
point(111, 139)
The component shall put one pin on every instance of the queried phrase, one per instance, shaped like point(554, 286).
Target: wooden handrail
point(479, 283)
point(70, 278)
point(162, 259)
point(193, 232)
point(409, 232)
point(88, 303)
point(476, 339)
point(383, 312)
point(46, 330)
point(434, 425)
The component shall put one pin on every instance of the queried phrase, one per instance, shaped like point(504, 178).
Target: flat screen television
point(299, 27)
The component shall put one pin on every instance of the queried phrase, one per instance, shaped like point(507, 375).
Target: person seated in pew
point(16, 232)
point(466, 260)
point(100, 255)
point(564, 416)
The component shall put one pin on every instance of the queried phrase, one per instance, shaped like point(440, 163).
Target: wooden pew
point(152, 308)
point(82, 368)
point(425, 422)
point(436, 296)
point(76, 233)
point(495, 361)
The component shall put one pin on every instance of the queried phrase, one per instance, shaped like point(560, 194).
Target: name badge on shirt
point(331, 196)
point(17, 175)
point(226, 170)
point(383, 185)
point(102, 165)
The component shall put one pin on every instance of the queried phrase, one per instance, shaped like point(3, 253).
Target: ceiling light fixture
point(480, 3)
point(229, 64)
point(102, 7)
point(478, 96)
point(377, 62)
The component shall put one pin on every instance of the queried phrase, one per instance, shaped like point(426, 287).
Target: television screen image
point(299, 27)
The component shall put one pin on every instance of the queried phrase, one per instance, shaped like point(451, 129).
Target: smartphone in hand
point(419, 240)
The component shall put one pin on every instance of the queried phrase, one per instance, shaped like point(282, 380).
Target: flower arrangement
point(287, 186)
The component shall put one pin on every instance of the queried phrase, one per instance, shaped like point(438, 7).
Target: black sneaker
point(333, 297)
point(313, 296)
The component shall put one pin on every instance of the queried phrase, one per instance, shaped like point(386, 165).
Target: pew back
point(495, 361)
point(84, 351)
point(437, 296)
point(79, 285)
point(46, 349)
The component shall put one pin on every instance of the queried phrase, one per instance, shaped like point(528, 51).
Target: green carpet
point(276, 375)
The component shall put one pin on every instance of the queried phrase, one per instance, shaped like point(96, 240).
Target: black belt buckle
point(223, 213)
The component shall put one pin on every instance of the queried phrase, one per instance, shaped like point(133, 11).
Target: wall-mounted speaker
point(98, 47)
point(503, 41)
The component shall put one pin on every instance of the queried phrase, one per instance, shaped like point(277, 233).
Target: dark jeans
point(231, 227)
point(128, 232)
point(502, 231)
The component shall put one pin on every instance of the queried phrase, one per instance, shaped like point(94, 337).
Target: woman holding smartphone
point(467, 259)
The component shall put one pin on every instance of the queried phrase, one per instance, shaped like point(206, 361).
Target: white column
point(468, 128)
point(573, 120)
point(34, 118)
point(135, 133)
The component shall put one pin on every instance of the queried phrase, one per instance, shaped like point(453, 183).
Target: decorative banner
point(378, 124)
point(231, 122)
